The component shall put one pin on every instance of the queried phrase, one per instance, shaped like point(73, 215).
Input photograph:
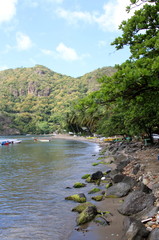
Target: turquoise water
point(34, 177)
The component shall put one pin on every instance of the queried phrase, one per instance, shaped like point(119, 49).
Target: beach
point(147, 157)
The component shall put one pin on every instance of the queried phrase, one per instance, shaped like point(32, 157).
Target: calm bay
point(34, 177)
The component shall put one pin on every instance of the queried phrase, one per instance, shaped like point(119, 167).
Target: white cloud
point(74, 17)
point(7, 10)
point(114, 12)
point(23, 41)
point(66, 53)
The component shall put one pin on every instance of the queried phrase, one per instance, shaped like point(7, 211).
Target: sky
point(70, 37)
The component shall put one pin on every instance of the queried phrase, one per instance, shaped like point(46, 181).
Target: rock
point(79, 185)
point(136, 169)
point(94, 190)
point(122, 164)
point(98, 198)
point(117, 178)
point(101, 220)
point(87, 215)
point(96, 176)
point(81, 207)
point(154, 235)
point(136, 202)
point(129, 180)
point(86, 176)
point(88, 180)
point(108, 185)
point(134, 229)
point(77, 198)
point(118, 190)
point(142, 187)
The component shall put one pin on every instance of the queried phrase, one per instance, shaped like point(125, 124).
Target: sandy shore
point(93, 230)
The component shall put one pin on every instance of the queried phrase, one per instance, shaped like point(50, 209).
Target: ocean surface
point(34, 181)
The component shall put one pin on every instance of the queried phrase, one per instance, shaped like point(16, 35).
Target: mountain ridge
point(37, 99)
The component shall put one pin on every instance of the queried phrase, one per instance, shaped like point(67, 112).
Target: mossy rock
point(81, 198)
point(111, 196)
point(81, 207)
point(108, 185)
point(87, 215)
point(95, 164)
point(86, 176)
point(98, 198)
point(94, 190)
point(101, 220)
point(89, 179)
point(100, 158)
point(79, 185)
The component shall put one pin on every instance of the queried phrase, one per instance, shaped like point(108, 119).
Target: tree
point(131, 95)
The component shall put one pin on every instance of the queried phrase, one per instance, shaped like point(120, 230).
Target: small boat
point(9, 141)
point(41, 140)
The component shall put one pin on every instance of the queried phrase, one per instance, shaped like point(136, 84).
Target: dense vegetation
point(38, 100)
point(127, 102)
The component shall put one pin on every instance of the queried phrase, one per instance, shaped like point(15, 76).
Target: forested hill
point(38, 100)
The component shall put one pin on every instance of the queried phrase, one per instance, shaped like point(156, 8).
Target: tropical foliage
point(127, 102)
point(38, 100)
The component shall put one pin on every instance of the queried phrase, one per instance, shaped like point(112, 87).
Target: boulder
point(119, 190)
point(96, 176)
point(77, 198)
point(81, 207)
point(79, 185)
point(94, 190)
point(135, 202)
point(87, 215)
point(154, 235)
point(134, 230)
point(98, 198)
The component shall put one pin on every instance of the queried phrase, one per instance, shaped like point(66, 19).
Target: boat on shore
point(6, 142)
point(41, 140)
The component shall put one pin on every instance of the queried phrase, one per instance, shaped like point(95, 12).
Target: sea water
point(35, 178)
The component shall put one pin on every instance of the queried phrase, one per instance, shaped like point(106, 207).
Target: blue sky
point(70, 37)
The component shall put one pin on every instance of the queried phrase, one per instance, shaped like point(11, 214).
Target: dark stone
point(142, 187)
point(123, 164)
point(154, 235)
point(119, 190)
point(96, 176)
point(134, 229)
point(136, 168)
point(135, 202)
point(129, 180)
point(117, 178)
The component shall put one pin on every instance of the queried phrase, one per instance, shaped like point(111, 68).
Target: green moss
point(86, 176)
point(94, 190)
point(98, 198)
point(87, 215)
point(77, 198)
point(100, 158)
point(108, 185)
point(95, 164)
point(81, 207)
point(79, 185)
point(111, 196)
point(89, 179)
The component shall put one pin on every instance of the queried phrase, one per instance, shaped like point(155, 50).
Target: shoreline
point(93, 230)
point(148, 159)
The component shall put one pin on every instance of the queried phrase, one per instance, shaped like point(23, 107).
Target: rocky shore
point(125, 195)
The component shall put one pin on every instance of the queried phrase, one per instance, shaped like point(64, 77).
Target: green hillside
point(37, 99)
